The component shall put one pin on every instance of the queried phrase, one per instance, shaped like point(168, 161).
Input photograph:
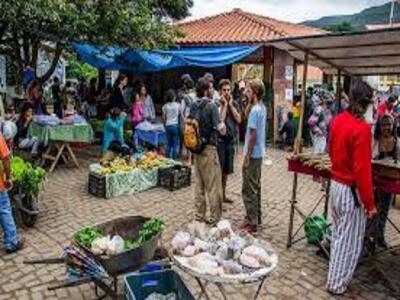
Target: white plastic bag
point(257, 252)
point(180, 241)
point(116, 245)
point(99, 246)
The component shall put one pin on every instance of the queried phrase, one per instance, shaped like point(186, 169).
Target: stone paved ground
point(66, 206)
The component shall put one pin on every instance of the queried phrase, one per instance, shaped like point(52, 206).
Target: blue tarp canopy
point(139, 61)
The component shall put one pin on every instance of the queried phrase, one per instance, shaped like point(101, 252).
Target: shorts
point(226, 154)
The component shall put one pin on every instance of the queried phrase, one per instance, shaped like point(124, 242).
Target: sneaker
point(227, 200)
point(248, 229)
point(212, 222)
point(19, 246)
point(199, 218)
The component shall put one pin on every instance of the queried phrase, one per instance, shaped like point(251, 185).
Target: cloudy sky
point(289, 10)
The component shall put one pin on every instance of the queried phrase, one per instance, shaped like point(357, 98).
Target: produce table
point(204, 280)
point(58, 138)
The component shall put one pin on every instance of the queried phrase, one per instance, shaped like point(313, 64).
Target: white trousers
point(347, 242)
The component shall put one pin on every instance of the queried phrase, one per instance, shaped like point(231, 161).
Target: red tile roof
point(238, 26)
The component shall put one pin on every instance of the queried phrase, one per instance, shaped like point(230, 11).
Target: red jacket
point(350, 152)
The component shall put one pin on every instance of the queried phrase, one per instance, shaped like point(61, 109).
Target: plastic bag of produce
point(116, 245)
point(249, 261)
point(231, 267)
point(257, 252)
point(100, 245)
point(180, 241)
point(225, 228)
point(189, 251)
point(204, 262)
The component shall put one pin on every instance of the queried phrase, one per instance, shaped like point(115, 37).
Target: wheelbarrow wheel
point(28, 210)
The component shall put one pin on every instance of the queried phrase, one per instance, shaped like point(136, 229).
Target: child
point(288, 132)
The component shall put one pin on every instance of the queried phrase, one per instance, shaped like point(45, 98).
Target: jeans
point(32, 144)
point(7, 222)
point(173, 141)
point(251, 191)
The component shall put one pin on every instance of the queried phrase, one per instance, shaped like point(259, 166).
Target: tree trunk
point(50, 71)
point(18, 57)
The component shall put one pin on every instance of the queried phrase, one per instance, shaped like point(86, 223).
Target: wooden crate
point(97, 185)
point(175, 177)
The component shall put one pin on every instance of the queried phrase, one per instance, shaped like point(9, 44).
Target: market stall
point(58, 135)
point(130, 175)
point(353, 54)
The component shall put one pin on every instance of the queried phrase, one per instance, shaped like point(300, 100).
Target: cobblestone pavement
point(66, 206)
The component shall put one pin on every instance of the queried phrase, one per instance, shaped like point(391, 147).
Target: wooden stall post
point(338, 91)
point(298, 146)
point(297, 150)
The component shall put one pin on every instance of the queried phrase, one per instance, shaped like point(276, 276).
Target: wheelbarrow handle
point(50, 260)
point(69, 283)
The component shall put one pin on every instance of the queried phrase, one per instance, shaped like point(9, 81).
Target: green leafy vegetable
point(88, 235)
point(150, 229)
point(26, 177)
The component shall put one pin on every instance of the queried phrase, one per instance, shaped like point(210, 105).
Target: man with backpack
point(201, 131)
point(230, 115)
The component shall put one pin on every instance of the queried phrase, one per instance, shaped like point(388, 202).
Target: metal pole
point(302, 105)
point(338, 91)
point(392, 13)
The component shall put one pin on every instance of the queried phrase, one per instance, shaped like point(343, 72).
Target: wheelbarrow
point(114, 266)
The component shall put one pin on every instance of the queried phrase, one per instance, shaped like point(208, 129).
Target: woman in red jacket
point(351, 190)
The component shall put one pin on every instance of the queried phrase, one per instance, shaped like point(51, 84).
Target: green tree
point(28, 26)
point(77, 69)
point(341, 27)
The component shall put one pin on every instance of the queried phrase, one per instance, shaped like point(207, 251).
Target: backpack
point(197, 128)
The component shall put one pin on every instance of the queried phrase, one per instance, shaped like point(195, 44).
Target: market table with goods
point(100, 253)
point(386, 176)
point(115, 175)
point(58, 135)
point(150, 133)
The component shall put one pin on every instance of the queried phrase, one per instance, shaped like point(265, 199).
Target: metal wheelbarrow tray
point(128, 261)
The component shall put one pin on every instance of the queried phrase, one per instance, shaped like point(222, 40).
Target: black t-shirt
point(231, 125)
point(22, 131)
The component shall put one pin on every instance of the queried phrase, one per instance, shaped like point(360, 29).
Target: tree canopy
point(341, 27)
point(27, 26)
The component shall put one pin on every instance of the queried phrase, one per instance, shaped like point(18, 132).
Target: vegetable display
point(26, 177)
point(93, 238)
point(147, 161)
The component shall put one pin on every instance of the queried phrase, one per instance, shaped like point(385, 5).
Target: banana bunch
point(118, 165)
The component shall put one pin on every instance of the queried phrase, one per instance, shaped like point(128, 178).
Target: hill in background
point(372, 15)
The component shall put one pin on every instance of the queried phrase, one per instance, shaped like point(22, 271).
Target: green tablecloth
point(62, 133)
point(129, 183)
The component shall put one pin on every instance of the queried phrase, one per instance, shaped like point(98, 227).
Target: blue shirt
point(113, 131)
point(257, 121)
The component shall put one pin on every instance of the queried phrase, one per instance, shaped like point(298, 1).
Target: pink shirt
point(137, 113)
